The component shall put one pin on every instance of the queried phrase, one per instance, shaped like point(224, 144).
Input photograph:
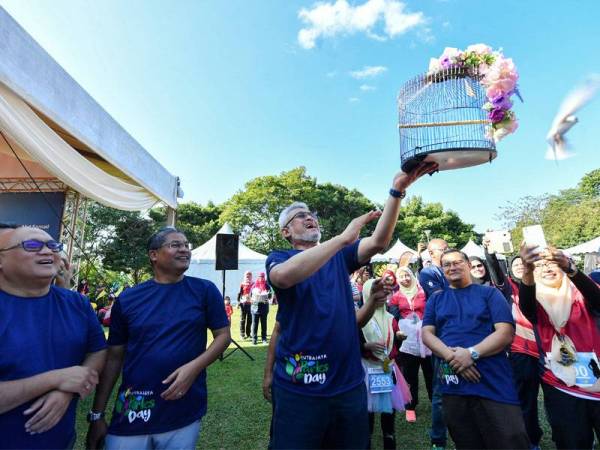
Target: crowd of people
point(346, 345)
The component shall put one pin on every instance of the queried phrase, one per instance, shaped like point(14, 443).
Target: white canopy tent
point(472, 249)
point(591, 253)
point(394, 253)
point(204, 258)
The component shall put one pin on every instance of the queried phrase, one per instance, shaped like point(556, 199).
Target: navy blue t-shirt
point(463, 318)
point(39, 334)
point(163, 327)
point(318, 351)
point(432, 279)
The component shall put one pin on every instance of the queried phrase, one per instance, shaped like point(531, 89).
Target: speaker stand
point(238, 347)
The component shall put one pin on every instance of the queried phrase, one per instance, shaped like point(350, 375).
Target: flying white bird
point(565, 119)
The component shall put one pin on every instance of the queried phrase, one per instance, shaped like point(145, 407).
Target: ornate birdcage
point(440, 118)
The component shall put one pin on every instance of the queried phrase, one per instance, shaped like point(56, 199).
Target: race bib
point(584, 376)
point(380, 382)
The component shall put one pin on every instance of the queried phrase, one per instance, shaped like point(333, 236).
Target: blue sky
point(223, 91)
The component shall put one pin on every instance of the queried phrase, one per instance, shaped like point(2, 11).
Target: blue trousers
point(303, 421)
point(437, 433)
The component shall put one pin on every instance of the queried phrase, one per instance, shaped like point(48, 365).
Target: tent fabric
point(207, 251)
point(203, 265)
point(23, 126)
point(592, 246)
point(472, 249)
point(394, 253)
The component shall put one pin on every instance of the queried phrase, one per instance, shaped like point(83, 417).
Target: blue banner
point(36, 209)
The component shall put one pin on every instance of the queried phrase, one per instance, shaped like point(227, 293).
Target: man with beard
point(158, 336)
point(318, 387)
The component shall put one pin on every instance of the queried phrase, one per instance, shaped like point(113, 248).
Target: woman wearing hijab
point(562, 304)
point(408, 307)
point(260, 308)
point(244, 303)
point(487, 271)
point(387, 390)
point(524, 358)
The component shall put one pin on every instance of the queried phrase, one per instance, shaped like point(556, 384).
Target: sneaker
point(254, 342)
point(411, 415)
point(264, 341)
point(437, 447)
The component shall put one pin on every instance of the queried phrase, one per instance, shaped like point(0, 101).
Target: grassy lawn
point(238, 417)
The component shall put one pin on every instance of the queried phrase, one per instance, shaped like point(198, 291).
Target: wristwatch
point(474, 353)
point(572, 269)
point(93, 416)
point(397, 194)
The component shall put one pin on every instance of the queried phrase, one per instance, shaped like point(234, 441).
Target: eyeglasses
point(35, 245)
point(176, 245)
point(545, 265)
point(303, 215)
point(447, 265)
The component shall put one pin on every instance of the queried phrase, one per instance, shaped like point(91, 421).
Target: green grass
point(238, 417)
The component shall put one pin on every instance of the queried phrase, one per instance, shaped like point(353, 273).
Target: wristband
point(397, 194)
point(94, 416)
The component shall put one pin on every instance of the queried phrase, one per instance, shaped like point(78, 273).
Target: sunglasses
point(35, 245)
point(476, 266)
point(302, 215)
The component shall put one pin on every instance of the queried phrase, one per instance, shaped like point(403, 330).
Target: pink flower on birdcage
point(499, 78)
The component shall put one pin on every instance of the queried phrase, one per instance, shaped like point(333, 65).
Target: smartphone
point(534, 236)
point(500, 241)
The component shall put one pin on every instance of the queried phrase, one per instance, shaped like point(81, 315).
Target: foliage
point(254, 212)
point(199, 223)
point(417, 216)
point(568, 218)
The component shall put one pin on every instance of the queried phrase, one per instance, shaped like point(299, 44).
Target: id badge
point(380, 382)
point(584, 375)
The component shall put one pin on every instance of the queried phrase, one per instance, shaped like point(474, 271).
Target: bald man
point(51, 344)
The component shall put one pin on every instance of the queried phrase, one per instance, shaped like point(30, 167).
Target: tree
point(199, 223)
point(417, 216)
point(254, 211)
point(568, 218)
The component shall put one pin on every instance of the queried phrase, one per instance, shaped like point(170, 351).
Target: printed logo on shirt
point(307, 369)
point(135, 405)
point(447, 375)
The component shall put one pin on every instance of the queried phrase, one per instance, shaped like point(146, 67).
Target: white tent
point(204, 258)
point(591, 252)
point(592, 246)
point(394, 253)
point(472, 249)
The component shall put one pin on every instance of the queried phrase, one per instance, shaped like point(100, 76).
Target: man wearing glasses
point(318, 389)
point(468, 326)
point(51, 344)
point(158, 338)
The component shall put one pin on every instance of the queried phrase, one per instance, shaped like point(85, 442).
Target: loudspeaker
point(227, 252)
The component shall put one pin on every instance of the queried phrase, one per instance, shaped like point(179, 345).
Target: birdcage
point(441, 119)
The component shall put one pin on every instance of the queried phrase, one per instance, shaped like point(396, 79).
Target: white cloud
point(329, 19)
point(368, 72)
point(353, 99)
point(367, 87)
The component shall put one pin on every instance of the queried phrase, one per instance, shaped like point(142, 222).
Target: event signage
point(36, 209)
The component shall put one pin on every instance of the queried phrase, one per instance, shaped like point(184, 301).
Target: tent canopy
point(472, 249)
point(60, 132)
point(203, 265)
point(394, 253)
point(207, 251)
point(592, 246)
